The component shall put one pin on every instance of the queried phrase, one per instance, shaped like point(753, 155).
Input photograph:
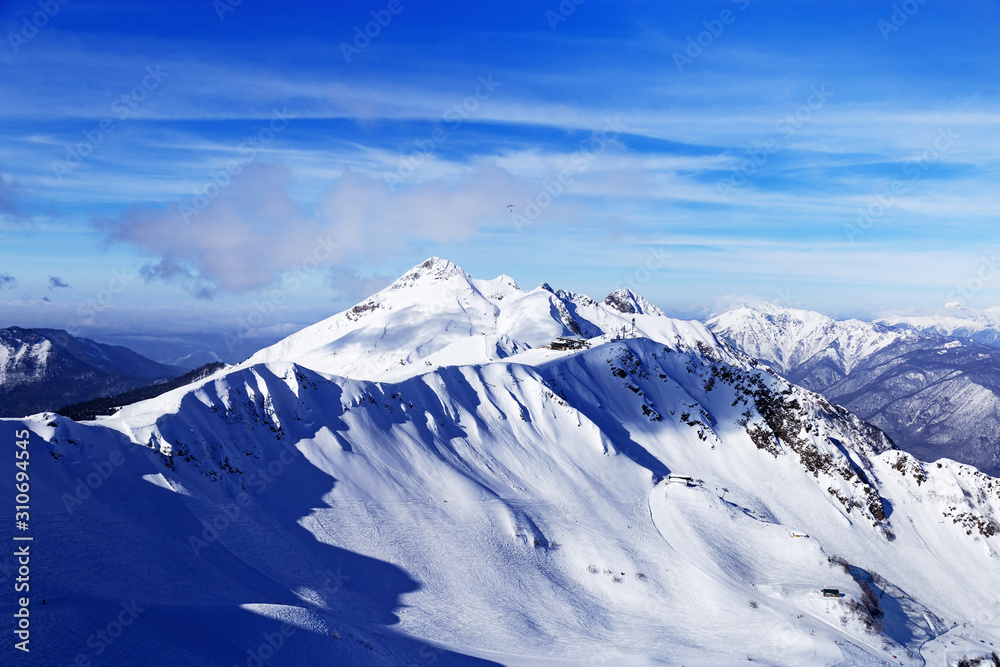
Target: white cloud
point(252, 232)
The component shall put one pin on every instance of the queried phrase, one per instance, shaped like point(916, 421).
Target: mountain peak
point(432, 269)
point(626, 301)
point(764, 307)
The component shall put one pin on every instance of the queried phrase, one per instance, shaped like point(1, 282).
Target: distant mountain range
point(934, 395)
point(954, 320)
point(45, 369)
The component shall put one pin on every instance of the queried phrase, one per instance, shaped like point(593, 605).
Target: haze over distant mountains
point(954, 320)
point(194, 349)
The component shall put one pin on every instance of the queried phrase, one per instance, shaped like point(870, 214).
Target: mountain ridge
point(440, 305)
point(651, 494)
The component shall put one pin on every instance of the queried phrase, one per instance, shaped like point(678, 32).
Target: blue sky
point(180, 166)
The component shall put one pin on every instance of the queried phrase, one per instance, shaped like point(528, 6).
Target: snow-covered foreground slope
point(935, 397)
point(518, 510)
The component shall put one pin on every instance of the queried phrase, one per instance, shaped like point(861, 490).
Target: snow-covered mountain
point(954, 320)
point(806, 347)
point(45, 369)
point(471, 496)
point(935, 396)
point(436, 314)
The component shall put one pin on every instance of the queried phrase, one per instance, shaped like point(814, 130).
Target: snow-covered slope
point(660, 499)
point(954, 320)
point(45, 369)
point(935, 397)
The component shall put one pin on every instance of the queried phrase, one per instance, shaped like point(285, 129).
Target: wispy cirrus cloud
point(352, 125)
